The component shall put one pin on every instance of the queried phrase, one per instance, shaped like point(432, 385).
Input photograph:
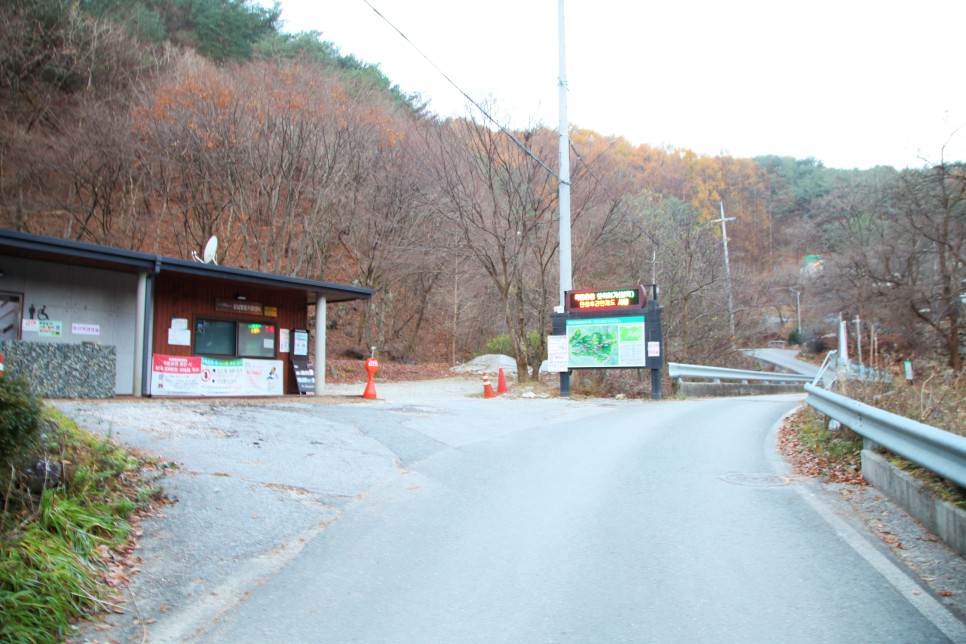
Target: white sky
point(852, 83)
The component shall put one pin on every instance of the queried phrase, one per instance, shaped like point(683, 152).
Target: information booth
point(173, 327)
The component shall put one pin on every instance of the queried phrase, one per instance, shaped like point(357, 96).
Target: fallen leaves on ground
point(807, 463)
point(350, 371)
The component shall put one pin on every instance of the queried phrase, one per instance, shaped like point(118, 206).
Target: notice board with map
point(607, 342)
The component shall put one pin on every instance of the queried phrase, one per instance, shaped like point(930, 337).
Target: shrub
point(53, 563)
point(20, 415)
point(501, 344)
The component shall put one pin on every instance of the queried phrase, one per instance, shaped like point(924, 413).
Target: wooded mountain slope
point(153, 125)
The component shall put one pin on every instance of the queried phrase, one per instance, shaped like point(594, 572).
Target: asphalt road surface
point(518, 521)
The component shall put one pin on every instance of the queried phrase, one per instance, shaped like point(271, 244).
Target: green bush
point(795, 337)
point(502, 345)
point(20, 415)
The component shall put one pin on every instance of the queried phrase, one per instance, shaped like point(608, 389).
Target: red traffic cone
point(501, 383)
point(487, 387)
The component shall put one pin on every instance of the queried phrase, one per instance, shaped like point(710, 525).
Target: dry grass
point(937, 397)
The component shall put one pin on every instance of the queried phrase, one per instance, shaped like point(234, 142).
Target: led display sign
point(606, 300)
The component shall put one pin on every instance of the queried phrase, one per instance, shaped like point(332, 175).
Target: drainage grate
point(754, 479)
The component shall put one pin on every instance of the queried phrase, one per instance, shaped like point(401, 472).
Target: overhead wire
point(483, 111)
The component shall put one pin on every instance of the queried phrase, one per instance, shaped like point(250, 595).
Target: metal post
point(655, 333)
point(558, 323)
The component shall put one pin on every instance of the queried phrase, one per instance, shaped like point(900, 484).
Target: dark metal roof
point(67, 251)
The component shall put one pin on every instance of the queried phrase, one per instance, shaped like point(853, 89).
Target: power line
point(486, 114)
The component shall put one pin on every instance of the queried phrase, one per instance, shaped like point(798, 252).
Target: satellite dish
point(211, 249)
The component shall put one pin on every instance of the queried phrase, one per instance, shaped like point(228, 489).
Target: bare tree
point(504, 204)
point(666, 243)
point(910, 254)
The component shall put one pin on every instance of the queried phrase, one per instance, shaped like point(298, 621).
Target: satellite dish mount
point(211, 251)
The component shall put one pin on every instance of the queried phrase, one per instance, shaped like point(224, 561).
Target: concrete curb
point(718, 389)
point(942, 519)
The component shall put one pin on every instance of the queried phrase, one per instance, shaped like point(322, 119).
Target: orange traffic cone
point(487, 387)
point(372, 366)
point(501, 383)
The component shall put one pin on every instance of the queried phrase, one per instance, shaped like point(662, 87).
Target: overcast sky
point(852, 83)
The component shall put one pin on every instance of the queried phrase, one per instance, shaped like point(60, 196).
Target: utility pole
point(563, 183)
point(858, 339)
point(731, 296)
point(798, 311)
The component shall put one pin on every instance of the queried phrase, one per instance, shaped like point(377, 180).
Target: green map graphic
point(606, 342)
point(594, 346)
point(632, 332)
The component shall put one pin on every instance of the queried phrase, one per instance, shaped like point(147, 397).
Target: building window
point(256, 340)
point(215, 337)
point(230, 339)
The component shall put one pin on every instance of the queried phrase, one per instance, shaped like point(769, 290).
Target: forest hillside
point(155, 124)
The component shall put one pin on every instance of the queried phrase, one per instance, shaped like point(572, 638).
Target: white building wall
point(91, 305)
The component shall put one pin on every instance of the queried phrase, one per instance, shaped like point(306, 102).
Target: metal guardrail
point(677, 370)
point(935, 449)
point(930, 447)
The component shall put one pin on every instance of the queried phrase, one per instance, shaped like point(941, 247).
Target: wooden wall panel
point(191, 297)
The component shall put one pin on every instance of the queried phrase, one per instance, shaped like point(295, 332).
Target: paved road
point(553, 521)
point(787, 359)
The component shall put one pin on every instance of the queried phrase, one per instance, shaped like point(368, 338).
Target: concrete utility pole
point(843, 343)
point(731, 296)
point(563, 183)
point(798, 310)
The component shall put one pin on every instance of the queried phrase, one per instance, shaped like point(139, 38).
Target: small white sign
point(85, 329)
point(283, 341)
point(31, 326)
point(653, 349)
point(301, 344)
point(558, 351)
point(179, 337)
point(179, 323)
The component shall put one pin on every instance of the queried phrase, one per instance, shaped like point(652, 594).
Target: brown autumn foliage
point(304, 168)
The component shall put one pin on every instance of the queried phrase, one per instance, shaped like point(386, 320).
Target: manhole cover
point(754, 479)
point(415, 411)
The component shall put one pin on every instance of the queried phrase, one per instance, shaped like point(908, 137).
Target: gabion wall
point(62, 370)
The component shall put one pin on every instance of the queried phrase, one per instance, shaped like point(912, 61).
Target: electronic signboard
point(606, 300)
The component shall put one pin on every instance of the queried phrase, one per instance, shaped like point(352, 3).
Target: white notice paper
point(179, 337)
point(558, 350)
